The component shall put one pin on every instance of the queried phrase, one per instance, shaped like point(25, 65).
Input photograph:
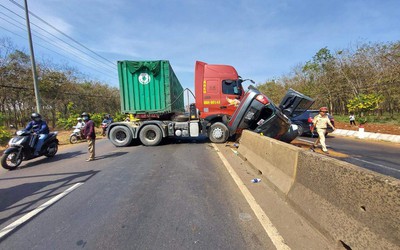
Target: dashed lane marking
point(36, 211)
point(376, 164)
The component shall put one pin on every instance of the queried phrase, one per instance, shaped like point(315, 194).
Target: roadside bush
point(5, 136)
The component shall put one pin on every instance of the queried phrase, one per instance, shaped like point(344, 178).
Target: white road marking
point(34, 212)
point(376, 164)
point(299, 139)
point(269, 228)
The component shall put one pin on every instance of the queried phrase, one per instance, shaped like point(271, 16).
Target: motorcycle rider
point(80, 123)
point(40, 128)
point(106, 122)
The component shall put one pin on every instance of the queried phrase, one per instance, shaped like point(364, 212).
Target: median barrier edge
point(347, 204)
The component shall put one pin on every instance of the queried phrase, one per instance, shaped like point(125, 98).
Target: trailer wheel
point(218, 133)
point(120, 136)
point(150, 135)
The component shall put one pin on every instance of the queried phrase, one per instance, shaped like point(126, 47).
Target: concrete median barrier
point(355, 207)
point(271, 157)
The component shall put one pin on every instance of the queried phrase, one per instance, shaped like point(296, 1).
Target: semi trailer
point(151, 92)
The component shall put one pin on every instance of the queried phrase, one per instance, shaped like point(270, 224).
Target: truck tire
point(120, 136)
point(150, 135)
point(218, 132)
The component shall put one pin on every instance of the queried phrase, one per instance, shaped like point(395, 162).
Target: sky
point(262, 39)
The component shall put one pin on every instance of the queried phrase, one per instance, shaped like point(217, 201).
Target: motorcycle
point(22, 148)
point(76, 135)
point(104, 127)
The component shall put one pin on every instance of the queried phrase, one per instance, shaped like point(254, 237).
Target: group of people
point(39, 126)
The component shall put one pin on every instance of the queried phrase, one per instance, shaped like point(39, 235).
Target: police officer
point(321, 122)
point(39, 127)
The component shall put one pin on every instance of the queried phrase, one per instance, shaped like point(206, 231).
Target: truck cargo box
point(149, 87)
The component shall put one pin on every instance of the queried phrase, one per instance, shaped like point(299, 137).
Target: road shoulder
point(295, 230)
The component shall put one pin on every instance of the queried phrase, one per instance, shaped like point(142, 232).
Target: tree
point(365, 103)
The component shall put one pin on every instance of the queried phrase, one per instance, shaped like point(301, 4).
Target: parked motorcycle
point(76, 135)
point(22, 148)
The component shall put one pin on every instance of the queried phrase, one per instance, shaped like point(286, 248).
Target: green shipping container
point(149, 87)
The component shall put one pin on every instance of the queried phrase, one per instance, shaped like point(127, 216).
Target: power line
point(111, 67)
point(89, 63)
point(20, 6)
point(44, 47)
point(46, 91)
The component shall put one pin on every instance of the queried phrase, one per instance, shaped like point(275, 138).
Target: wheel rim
point(217, 133)
point(52, 150)
point(13, 160)
point(73, 139)
point(120, 136)
point(150, 135)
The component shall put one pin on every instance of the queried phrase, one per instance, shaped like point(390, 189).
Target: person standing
point(352, 119)
point(90, 135)
point(321, 122)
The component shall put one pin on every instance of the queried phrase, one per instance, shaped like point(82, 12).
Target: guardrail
point(353, 206)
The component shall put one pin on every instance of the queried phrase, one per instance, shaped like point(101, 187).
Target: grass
point(384, 119)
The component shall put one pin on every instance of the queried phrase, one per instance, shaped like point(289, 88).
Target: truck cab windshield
point(232, 87)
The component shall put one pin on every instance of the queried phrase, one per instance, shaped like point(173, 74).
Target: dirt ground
point(372, 127)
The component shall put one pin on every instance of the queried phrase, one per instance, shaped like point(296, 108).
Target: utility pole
point(35, 79)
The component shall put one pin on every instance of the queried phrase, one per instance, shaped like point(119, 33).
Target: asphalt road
point(174, 196)
point(178, 195)
point(380, 157)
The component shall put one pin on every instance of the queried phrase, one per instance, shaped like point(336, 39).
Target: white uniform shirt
point(321, 122)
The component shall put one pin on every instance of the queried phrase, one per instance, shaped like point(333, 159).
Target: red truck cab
point(218, 89)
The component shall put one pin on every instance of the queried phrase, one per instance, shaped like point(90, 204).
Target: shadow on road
point(21, 199)
point(64, 156)
point(44, 159)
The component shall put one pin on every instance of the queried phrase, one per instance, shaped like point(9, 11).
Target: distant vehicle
point(304, 122)
point(76, 135)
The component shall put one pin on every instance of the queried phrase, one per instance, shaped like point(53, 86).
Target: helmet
point(85, 116)
point(324, 109)
point(79, 119)
point(36, 117)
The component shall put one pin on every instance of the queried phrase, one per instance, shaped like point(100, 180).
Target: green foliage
point(119, 117)
point(364, 103)
point(5, 135)
point(97, 119)
point(67, 123)
point(371, 118)
point(65, 92)
point(273, 90)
